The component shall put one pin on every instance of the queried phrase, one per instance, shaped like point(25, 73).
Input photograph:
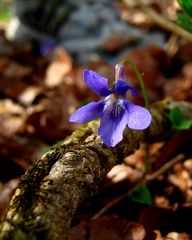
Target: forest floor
point(38, 93)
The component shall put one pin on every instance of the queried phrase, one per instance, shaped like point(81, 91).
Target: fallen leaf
point(57, 70)
point(107, 227)
point(117, 41)
point(151, 69)
point(49, 118)
point(180, 87)
point(166, 220)
point(29, 94)
point(12, 118)
point(178, 236)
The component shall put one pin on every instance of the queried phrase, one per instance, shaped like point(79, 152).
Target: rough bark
point(49, 193)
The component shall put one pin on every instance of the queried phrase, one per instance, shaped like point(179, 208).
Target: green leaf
point(178, 120)
point(5, 16)
point(186, 6)
point(184, 21)
point(5, 12)
point(185, 18)
point(141, 194)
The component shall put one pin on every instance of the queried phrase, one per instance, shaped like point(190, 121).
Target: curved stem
point(136, 71)
point(146, 101)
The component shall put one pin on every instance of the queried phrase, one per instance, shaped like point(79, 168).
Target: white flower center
point(114, 104)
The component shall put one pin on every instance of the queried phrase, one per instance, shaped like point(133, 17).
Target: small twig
point(109, 205)
point(172, 46)
point(166, 24)
point(164, 168)
point(145, 180)
point(159, 19)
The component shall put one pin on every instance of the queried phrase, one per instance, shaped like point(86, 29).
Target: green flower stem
point(140, 79)
point(146, 101)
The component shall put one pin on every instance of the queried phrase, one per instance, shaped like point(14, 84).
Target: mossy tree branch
point(49, 193)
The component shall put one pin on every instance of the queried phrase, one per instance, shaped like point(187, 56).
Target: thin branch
point(164, 168)
point(145, 180)
point(166, 24)
point(159, 19)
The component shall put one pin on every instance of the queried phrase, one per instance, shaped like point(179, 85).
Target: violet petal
point(139, 118)
point(88, 112)
point(111, 128)
point(96, 83)
point(121, 87)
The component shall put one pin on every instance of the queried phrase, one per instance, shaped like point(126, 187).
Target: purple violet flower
point(115, 111)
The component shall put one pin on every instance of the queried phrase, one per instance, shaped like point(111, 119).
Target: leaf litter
point(39, 93)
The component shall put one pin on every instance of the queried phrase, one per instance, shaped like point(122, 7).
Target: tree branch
point(49, 193)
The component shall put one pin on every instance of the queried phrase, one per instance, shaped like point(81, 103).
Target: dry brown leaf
point(12, 118)
point(180, 177)
point(16, 70)
point(117, 41)
point(108, 227)
point(57, 70)
point(177, 236)
point(29, 94)
point(7, 48)
point(161, 201)
point(122, 172)
point(137, 160)
point(180, 87)
point(158, 235)
point(172, 236)
point(168, 8)
point(49, 118)
point(19, 152)
point(151, 69)
point(132, 169)
point(166, 220)
point(3, 64)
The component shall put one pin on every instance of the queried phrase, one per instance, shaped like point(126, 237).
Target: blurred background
point(44, 47)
